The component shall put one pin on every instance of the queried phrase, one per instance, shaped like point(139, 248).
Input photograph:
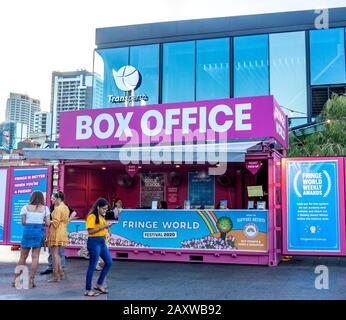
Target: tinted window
point(113, 59)
point(288, 72)
point(146, 60)
point(178, 72)
point(251, 71)
point(327, 54)
point(213, 75)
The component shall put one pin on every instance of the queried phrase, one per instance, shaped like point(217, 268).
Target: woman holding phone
point(97, 228)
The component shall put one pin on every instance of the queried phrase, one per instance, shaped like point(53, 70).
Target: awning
point(200, 153)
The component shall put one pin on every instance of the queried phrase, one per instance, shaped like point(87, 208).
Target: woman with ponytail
point(97, 228)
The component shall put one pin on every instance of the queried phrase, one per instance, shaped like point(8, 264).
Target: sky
point(41, 36)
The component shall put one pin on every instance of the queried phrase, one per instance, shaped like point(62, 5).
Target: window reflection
point(295, 122)
point(213, 75)
point(251, 66)
point(114, 58)
point(178, 83)
point(327, 54)
point(288, 72)
point(146, 60)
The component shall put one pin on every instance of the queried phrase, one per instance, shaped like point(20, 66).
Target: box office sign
point(212, 120)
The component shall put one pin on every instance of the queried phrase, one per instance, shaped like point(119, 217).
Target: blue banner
point(313, 206)
point(244, 230)
point(201, 190)
point(24, 182)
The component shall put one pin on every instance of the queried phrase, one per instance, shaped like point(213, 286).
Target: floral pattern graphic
point(210, 242)
point(80, 239)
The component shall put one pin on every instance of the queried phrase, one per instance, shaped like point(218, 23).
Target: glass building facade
point(289, 65)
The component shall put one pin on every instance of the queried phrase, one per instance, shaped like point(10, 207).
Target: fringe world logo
point(312, 184)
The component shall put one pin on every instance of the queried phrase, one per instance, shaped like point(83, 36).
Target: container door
point(274, 210)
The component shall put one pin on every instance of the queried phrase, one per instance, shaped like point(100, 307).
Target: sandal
point(32, 283)
point(16, 280)
point(91, 293)
point(102, 289)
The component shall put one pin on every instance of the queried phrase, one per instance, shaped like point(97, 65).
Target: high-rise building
point(21, 108)
point(70, 91)
point(97, 92)
point(42, 123)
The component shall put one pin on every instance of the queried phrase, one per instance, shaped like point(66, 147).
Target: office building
point(21, 108)
point(70, 91)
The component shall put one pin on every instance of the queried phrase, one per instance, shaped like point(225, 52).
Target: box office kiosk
point(231, 195)
point(215, 163)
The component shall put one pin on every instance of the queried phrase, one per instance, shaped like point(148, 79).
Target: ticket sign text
point(213, 120)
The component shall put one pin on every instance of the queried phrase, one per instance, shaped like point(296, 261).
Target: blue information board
point(24, 182)
point(3, 190)
point(244, 230)
point(313, 206)
point(201, 190)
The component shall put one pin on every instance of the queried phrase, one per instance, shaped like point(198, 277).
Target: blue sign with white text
point(313, 206)
point(201, 190)
point(244, 230)
point(24, 182)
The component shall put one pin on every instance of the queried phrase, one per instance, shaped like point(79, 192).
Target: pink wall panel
point(130, 196)
point(85, 185)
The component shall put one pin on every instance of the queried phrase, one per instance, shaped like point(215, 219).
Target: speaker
point(225, 180)
point(174, 179)
point(125, 181)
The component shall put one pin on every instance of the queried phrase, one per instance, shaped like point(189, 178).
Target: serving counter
point(222, 236)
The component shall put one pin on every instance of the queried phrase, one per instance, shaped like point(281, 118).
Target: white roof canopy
point(211, 152)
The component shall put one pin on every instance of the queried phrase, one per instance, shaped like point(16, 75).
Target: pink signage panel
point(253, 166)
point(212, 120)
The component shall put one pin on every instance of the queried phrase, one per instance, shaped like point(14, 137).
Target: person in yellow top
point(97, 228)
point(58, 236)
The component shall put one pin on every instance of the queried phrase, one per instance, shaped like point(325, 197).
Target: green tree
point(331, 140)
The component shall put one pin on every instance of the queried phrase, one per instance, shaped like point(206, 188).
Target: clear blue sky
point(41, 36)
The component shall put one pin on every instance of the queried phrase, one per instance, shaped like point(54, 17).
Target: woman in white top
point(35, 216)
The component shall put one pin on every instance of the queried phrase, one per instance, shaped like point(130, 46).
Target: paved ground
point(136, 280)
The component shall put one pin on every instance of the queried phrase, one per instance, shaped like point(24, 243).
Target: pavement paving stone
point(148, 280)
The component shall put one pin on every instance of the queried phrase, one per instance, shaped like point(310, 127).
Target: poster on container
point(313, 206)
point(152, 188)
point(23, 182)
point(173, 196)
point(243, 230)
point(201, 190)
point(3, 184)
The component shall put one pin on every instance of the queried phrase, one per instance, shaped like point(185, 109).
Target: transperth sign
point(127, 79)
point(220, 120)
